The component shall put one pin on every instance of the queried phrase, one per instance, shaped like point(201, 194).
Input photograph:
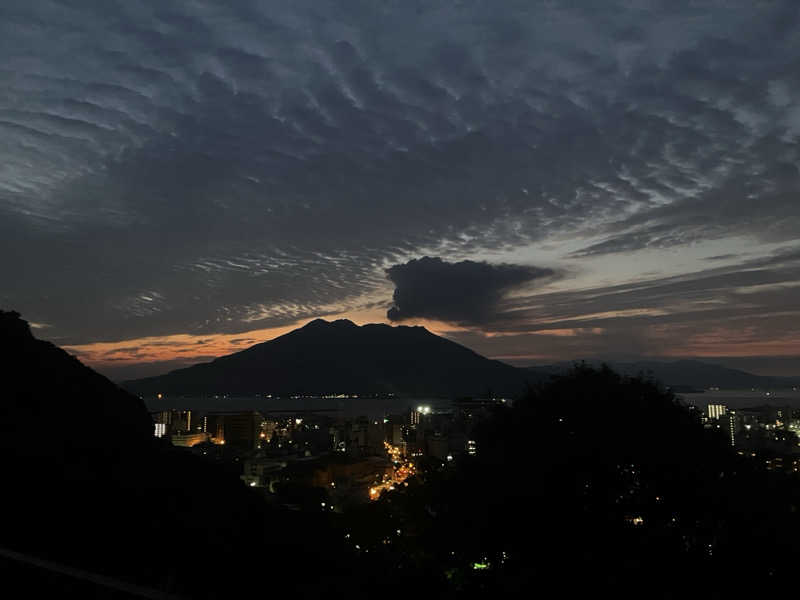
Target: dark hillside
point(85, 484)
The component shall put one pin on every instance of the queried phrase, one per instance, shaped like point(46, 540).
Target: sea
point(375, 408)
point(348, 408)
point(744, 398)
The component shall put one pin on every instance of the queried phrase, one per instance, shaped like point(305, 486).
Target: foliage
point(593, 482)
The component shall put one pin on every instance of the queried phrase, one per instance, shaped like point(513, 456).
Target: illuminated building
point(214, 426)
point(267, 429)
point(160, 429)
point(164, 417)
point(173, 420)
point(715, 411)
point(729, 424)
point(419, 413)
point(180, 420)
point(238, 429)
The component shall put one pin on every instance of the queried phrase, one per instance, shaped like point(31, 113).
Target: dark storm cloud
point(465, 292)
point(197, 166)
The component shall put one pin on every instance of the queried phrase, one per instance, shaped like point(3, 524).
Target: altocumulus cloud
point(205, 167)
point(465, 292)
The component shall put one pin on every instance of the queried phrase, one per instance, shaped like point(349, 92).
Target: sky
point(540, 181)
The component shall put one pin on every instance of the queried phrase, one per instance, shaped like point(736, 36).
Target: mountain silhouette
point(341, 357)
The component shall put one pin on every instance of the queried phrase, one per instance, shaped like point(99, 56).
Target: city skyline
point(539, 183)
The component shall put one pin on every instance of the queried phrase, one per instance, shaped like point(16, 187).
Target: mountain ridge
point(342, 357)
point(324, 357)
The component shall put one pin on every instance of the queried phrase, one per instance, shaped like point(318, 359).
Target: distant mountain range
point(684, 375)
point(341, 357)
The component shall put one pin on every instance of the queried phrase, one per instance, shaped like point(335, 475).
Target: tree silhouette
point(596, 481)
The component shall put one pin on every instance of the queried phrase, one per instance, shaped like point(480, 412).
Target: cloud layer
point(213, 168)
point(741, 311)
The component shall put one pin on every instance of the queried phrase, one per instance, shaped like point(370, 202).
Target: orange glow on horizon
point(182, 346)
point(193, 348)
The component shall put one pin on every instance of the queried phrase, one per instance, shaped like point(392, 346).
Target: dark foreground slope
point(341, 357)
point(86, 485)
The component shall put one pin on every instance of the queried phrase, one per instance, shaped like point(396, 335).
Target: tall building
point(214, 426)
point(418, 414)
point(181, 420)
point(163, 417)
point(728, 423)
point(242, 429)
point(173, 421)
point(715, 411)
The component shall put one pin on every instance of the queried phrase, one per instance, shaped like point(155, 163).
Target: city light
point(402, 470)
